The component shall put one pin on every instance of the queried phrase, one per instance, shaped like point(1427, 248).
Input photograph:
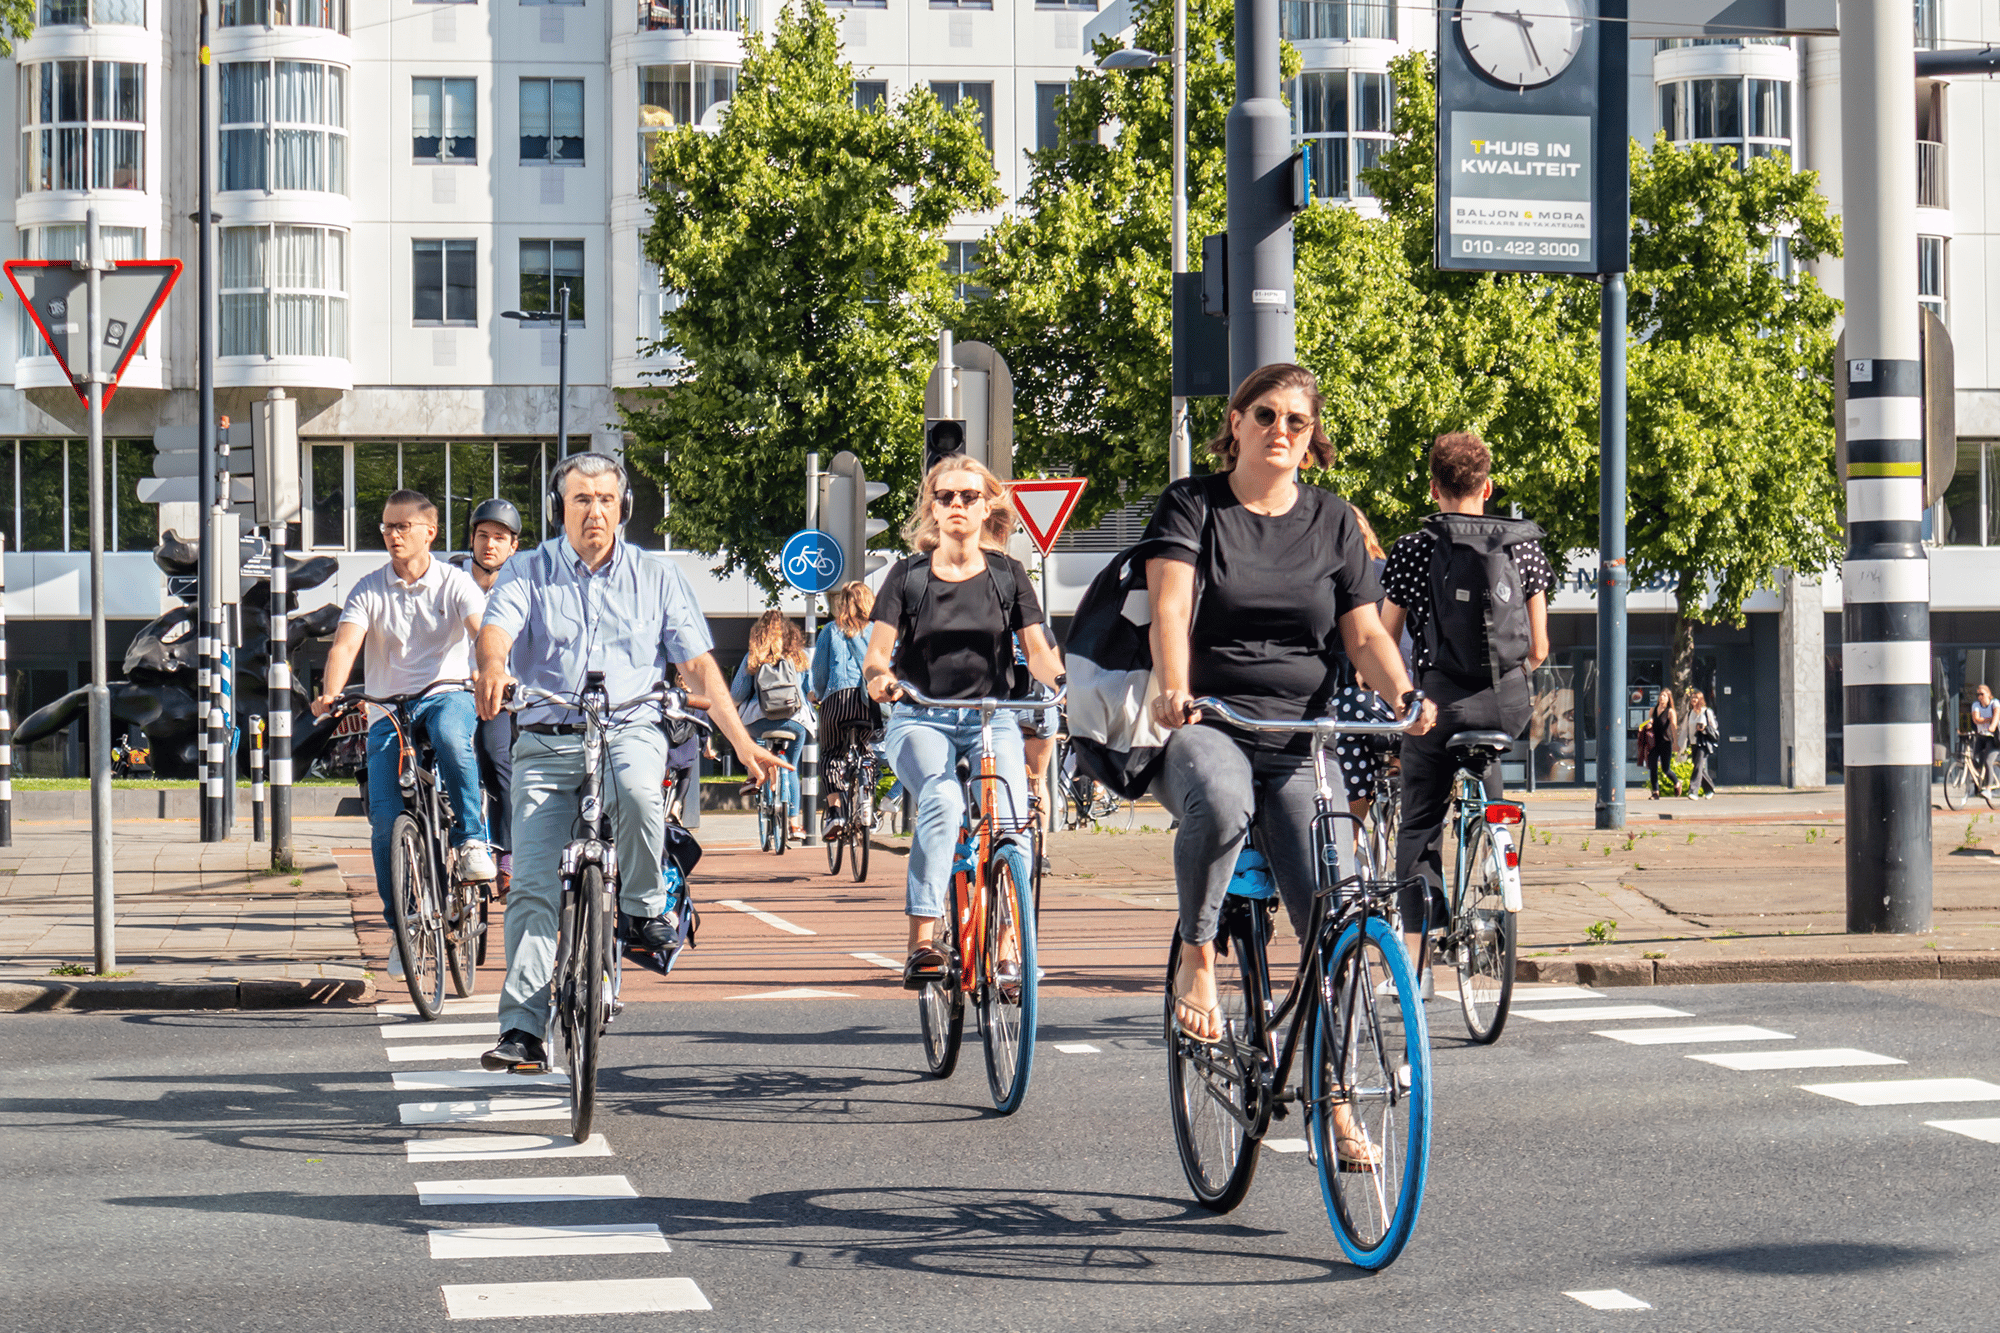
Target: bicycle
point(853, 774)
point(440, 921)
point(1353, 1004)
point(996, 883)
point(1481, 926)
point(584, 981)
point(1962, 775)
point(1084, 800)
point(774, 815)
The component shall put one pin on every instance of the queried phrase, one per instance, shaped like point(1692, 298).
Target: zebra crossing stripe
point(1908, 1091)
point(1830, 1058)
point(1679, 1036)
point(520, 1300)
point(494, 1111)
point(525, 1189)
point(503, 1147)
point(447, 1080)
point(1986, 1131)
point(544, 1242)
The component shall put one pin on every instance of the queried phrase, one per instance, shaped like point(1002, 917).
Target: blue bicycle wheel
point(1007, 994)
point(1369, 1079)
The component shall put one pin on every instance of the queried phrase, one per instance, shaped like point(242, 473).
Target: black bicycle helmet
point(498, 511)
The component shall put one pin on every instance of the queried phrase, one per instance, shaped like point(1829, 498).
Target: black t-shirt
point(1272, 590)
point(1408, 579)
point(963, 641)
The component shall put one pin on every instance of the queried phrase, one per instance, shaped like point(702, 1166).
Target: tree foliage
point(804, 238)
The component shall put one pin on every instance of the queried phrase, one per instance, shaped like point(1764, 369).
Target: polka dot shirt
point(1407, 580)
point(1360, 757)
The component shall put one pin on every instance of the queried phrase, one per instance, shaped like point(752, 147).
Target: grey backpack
point(778, 691)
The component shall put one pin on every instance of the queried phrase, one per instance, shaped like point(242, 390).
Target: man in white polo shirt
point(415, 617)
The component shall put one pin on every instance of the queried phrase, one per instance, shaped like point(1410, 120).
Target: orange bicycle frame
point(969, 890)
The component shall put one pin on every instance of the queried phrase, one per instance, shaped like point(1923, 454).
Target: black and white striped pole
point(6, 717)
point(1885, 616)
point(809, 752)
point(256, 779)
point(278, 704)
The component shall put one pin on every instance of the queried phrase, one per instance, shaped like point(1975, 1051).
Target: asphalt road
point(249, 1171)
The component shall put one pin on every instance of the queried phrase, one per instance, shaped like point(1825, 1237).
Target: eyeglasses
point(402, 529)
point(1294, 423)
point(953, 499)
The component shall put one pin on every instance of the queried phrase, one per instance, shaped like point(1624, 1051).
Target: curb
point(1725, 971)
point(33, 997)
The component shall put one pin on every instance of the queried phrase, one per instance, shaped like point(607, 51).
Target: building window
point(329, 14)
point(1066, 4)
point(673, 95)
point(444, 283)
point(284, 126)
point(690, 15)
point(45, 495)
point(979, 94)
point(64, 240)
point(1048, 97)
point(552, 121)
point(84, 125)
point(546, 268)
point(961, 4)
point(1932, 273)
point(284, 291)
point(349, 482)
point(1338, 20)
point(79, 13)
point(444, 121)
point(1930, 24)
point(1752, 116)
point(961, 261)
point(1343, 116)
point(871, 94)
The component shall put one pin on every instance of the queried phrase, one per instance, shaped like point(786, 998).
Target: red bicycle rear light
point(1499, 812)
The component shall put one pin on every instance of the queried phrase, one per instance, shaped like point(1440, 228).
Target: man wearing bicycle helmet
point(415, 618)
point(493, 535)
point(589, 601)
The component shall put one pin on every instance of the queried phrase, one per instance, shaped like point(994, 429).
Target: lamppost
point(560, 318)
point(1180, 454)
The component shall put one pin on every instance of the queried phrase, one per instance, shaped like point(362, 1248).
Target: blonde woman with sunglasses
point(945, 621)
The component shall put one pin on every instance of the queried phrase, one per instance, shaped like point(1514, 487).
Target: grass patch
point(84, 970)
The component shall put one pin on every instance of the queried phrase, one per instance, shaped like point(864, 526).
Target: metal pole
point(562, 376)
point(6, 716)
point(1885, 615)
point(1613, 578)
point(809, 752)
point(278, 704)
point(1180, 451)
point(103, 905)
point(207, 610)
point(1259, 140)
point(221, 703)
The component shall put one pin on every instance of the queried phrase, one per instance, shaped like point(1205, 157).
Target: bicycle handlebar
point(909, 692)
point(351, 697)
point(675, 703)
point(1326, 725)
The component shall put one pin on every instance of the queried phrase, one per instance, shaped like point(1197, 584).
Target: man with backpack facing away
point(1473, 590)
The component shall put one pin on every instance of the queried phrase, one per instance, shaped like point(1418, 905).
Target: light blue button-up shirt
point(627, 619)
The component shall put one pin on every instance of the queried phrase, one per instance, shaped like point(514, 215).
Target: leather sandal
point(925, 967)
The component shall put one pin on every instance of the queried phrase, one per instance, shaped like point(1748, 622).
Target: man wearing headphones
point(493, 534)
point(589, 601)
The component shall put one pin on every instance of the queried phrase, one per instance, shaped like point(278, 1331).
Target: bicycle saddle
point(1467, 741)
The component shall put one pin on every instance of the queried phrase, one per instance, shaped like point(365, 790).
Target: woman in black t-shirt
point(1285, 584)
point(949, 614)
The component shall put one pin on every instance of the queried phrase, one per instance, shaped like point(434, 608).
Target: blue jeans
point(496, 746)
point(548, 775)
point(925, 745)
point(788, 778)
point(449, 720)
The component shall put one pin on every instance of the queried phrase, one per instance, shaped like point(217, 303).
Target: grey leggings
point(1214, 785)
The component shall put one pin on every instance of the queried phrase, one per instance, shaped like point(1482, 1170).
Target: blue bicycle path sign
point(812, 561)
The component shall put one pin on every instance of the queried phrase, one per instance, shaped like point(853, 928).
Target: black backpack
point(999, 568)
point(1478, 629)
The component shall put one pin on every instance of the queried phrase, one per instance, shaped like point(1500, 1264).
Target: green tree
point(17, 23)
point(804, 238)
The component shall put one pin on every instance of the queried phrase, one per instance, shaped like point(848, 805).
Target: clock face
point(1522, 43)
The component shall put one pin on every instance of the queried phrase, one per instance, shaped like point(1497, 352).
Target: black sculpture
point(159, 689)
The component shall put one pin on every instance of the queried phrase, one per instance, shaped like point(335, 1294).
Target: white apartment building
point(391, 176)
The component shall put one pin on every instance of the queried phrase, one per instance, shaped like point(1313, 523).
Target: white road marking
point(502, 1147)
point(1593, 1013)
point(1909, 1091)
point(398, 1030)
point(1680, 1036)
point(538, 1242)
point(1077, 1048)
point(525, 1189)
point(1986, 1131)
point(1831, 1058)
point(796, 993)
point(445, 1080)
point(496, 1111)
point(465, 1050)
point(776, 922)
point(1609, 1299)
point(878, 960)
point(519, 1300)
point(471, 1004)
point(1285, 1145)
point(1524, 993)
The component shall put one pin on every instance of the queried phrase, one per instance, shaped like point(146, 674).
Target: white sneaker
point(395, 959)
point(475, 864)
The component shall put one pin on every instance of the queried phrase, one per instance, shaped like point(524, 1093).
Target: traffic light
point(844, 496)
point(943, 437)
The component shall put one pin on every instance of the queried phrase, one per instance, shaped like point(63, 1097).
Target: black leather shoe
point(519, 1052)
point(656, 932)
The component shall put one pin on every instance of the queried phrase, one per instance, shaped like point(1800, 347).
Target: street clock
point(1522, 43)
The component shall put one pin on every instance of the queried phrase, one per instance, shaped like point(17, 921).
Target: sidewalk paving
point(1747, 887)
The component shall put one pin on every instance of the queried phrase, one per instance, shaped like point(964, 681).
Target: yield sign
point(131, 293)
point(1044, 506)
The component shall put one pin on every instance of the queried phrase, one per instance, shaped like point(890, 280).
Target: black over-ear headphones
point(569, 465)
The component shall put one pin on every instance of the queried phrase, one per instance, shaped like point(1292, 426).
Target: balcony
point(691, 15)
point(1931, 192)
